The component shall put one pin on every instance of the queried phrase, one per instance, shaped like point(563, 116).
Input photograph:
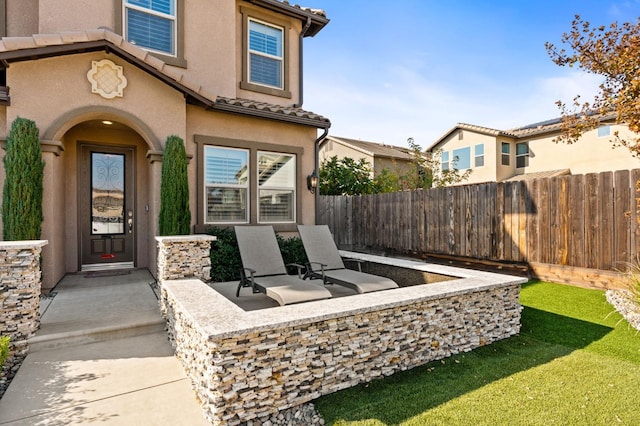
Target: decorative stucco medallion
point(107, 79)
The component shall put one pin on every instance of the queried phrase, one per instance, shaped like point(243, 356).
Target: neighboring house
point(529, 151)
point(379, 156)
point(107, 84)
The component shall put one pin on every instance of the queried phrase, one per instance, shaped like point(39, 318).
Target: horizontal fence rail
point(583, 221)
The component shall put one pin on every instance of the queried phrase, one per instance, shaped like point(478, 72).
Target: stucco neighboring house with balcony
point(107, 84)
point(380, 156)
point(529, 151)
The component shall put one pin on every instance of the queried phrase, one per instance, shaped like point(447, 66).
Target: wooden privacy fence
point(584, 221)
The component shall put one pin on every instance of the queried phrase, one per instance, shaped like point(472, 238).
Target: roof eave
point(305, 121)
point(318, 22)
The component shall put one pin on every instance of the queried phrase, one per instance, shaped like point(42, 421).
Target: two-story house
point(108, 81)
point(379, 156)
point(530, 151)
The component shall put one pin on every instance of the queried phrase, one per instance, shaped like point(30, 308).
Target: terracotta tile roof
point(547, 126)
point(472, 128)
point(13, 49)
point(538, 175)
point(375, 149)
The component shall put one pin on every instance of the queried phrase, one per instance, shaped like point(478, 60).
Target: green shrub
point(22, 193)
point(292, 251)
point(175, 216)
point(225, 255)
point(4, 350)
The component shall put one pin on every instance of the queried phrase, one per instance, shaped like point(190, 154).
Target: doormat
point(100, 274)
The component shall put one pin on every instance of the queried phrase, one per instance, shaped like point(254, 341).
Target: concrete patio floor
point(101, 356)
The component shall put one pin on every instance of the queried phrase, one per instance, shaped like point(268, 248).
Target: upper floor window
point(604, 131)
point(266, 60)
point(462, 158)
point(151, 24)
point(265, 53)
point(444, 160)
point(479, 155)
point(506, 153)
point(522, 155)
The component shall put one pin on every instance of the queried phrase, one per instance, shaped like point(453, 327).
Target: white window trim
point(456, 158)
point(526, 155)
point(174, 18)
point(294, 187)
point(249, 52)
point(245, 186)
point(476, 156)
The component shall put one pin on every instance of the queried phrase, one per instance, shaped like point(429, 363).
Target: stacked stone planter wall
point(251, 366)
point(184, 256)
point(20, 285)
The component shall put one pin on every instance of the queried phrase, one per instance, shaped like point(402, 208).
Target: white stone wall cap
point(217, 317)
point(186, 238)
point(8, 245)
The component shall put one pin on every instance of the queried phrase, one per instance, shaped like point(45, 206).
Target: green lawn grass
point(575, 362)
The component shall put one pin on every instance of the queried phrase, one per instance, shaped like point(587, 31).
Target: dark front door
point(107, 221)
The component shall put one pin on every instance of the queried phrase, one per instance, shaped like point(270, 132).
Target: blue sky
point(385, 71)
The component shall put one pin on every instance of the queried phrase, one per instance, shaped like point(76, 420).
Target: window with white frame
point(276, 187)
point(151, 24)
point(479, 155)
point(506, 153)
point(226, 175)
point(604, 131)
point(462, 158)
point(266, 54)
point(444, 160)
point(522, 155)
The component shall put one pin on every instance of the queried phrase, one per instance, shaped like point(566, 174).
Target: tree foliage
point(611, 52)
point(23, 186)
point(347, 176)
point(175, 216)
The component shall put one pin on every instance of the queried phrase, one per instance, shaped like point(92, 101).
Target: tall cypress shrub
point(175, 216)
point(22, 193)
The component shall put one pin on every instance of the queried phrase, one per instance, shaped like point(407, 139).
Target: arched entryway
point(100, 194)
point(112, 194)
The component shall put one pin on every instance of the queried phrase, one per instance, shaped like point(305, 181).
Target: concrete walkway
point(101, 356)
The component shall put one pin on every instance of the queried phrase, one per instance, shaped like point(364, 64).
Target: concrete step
point(50, 341)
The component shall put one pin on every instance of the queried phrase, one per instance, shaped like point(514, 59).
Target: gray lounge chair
point(264, 270)
point(326, 263)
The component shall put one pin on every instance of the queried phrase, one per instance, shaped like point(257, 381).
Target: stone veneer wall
point(249, 373)
point(184, 257)
point(20, 285)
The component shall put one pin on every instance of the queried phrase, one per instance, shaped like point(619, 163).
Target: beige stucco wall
point(332, 148)
point(590, 155)
point(73, 15)
point(488, 172)
point(22, 17)
point(62, 81)
point(212, 33)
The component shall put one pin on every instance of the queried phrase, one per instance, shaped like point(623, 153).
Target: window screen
point(265, 54)
point(151, 24)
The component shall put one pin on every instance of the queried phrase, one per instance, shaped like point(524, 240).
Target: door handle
point(130, 221)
